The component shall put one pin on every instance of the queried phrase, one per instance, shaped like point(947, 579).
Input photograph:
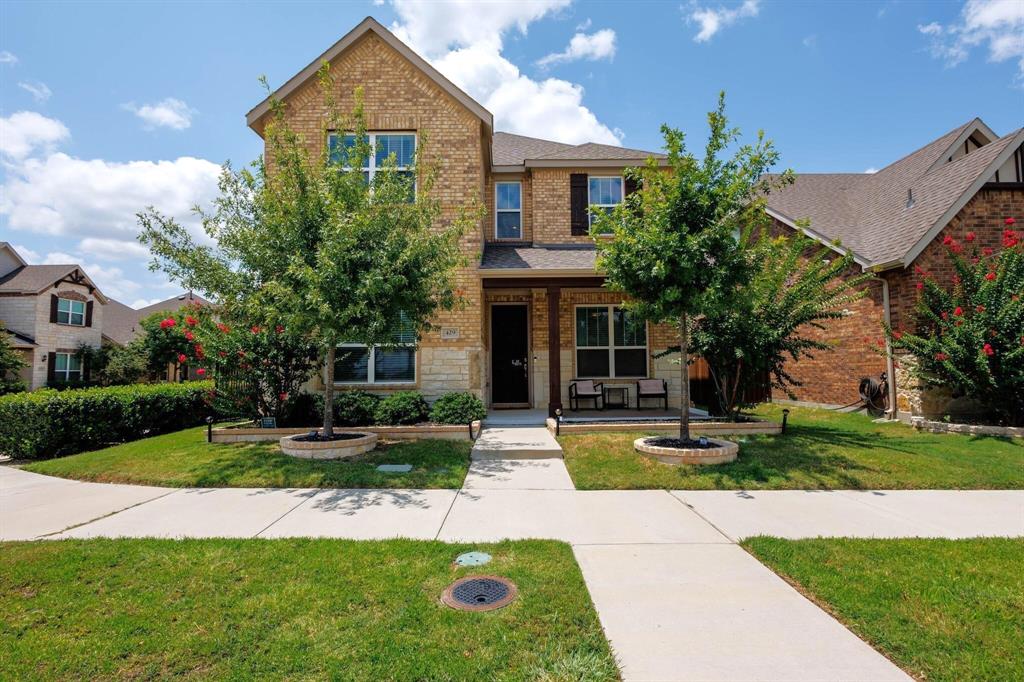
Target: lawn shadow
point(352, 501)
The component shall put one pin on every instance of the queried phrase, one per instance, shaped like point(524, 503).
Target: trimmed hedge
point(457, 408)
point(404, 407)
point(49, 423)
point(354, 408)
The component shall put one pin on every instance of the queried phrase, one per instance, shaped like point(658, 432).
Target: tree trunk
point(684, 352)
point(329, 395)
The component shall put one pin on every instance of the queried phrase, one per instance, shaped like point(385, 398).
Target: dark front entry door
point(510, 382)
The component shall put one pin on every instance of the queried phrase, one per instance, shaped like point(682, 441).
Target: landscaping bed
point(249, 433)
point(941, 609)
point(296, 609)
point(185, 459)
point(821, 449)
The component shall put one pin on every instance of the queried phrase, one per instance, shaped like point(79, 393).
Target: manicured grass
point(941, 609)
point(295, 609)
point(821, 449)
point(185, 459)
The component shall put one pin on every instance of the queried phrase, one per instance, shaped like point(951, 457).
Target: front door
point(510, 350)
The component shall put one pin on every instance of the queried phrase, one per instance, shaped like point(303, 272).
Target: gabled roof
point(873, 216)
point(34, 279)
point(510, 151)
point(4, 246)
point(369, 25)
point(19, 340)
point(121, 323)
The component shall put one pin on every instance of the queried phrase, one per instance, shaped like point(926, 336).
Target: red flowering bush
point(970, 337)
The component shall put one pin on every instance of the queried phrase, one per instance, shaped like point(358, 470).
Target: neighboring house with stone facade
point(536, 314)
point(50, 310)
point(893, 222)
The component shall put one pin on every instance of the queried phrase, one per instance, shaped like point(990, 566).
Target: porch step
point(512, 442)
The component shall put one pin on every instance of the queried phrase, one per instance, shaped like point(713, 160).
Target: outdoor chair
point(585, 390)
point(651, 388)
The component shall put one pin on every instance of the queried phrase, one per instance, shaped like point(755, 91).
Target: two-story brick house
point(536, 316)
point(50, 310)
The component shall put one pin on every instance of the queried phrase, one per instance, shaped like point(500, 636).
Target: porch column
point(554, 352)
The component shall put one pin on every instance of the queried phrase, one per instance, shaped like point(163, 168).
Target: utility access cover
point(473, 559)
point(479, 593)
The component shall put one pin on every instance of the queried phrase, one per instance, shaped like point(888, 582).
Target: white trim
point(367, 25)
point(817, 236)
point(71, 311)
point(508, 210)
point(68, 371)
point(622, 194)
point(977, 125)
point(611, 347)
point(370, 370)
point(982, 179)
point(372, 135)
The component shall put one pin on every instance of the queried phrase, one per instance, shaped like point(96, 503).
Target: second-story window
point(508, 210)
point(382, 145)
point(605, 194)
point(70, 312)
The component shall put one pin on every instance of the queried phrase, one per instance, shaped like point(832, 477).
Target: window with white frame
point(611, 342)
point(70, 312)
point(357, 363)
point(67, 367)
point(605, 193)
point(508, 210)
point(381, 145)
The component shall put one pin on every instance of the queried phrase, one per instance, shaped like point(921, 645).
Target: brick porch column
point(554, 352)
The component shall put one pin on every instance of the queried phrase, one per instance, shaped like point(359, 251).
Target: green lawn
point(821, 449)
point(941, 609)
point(185, 459)
point(297, 609)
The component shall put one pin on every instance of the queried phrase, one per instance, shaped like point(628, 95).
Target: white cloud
point(872, 169)
point(811, 41)
point(584, 25)
point(39, 90)
point(7, 58)
point(28, 254)
point(168, 113)
point(25, 132)
point(143, 302)
point(113, 249)
point(111, 280)
point(464, 41)
point(59, 258)
point(597, 45)
point(997, 24)
point(711, 21)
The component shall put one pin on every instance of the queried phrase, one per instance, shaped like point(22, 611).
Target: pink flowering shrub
point(969, 333)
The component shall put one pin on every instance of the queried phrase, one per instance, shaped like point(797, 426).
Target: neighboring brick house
point(893, 222)
point(536, 315)
point(50, 310)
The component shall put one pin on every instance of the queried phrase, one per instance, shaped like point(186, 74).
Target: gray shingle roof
point(33, 278)
point(514, 150)
point(551, 257)
point(868, 213)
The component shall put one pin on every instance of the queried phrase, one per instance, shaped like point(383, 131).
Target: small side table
point(616, 397)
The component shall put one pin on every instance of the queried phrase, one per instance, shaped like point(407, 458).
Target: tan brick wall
point(399, 97)
point(490, 233)
point(551, 218)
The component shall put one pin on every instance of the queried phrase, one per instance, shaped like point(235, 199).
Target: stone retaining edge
point(922, 424)
point(697, 428)
point(415, 432)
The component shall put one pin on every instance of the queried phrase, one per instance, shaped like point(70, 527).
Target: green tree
point(11, 363)
point(304, 241)
point(969, 332)
point(672, 247)
point(794, 287)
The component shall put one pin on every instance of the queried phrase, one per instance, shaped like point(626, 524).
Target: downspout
point(890, 364)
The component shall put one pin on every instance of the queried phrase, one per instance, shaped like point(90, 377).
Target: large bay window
point(357, 363)
point(70, 312)
point(611, 342)
point(382, 145)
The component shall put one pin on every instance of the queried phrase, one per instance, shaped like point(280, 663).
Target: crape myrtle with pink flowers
point(969, 333)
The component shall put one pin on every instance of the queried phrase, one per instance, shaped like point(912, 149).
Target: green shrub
point(49, 423)
point(457, 408)
point(353, 408)
point(302, 409)
point(404, 407)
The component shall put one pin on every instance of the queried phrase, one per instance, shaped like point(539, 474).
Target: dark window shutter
point(631, 185)
point(578, 203)
point(51, 366)
point(88, 314)
point(53, 308)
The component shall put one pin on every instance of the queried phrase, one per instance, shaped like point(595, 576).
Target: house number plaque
point(449, 333)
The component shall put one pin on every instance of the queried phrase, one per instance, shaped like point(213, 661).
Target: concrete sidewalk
point(515, 442)
point(677, 598)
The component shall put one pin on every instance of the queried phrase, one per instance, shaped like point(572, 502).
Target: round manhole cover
point(479, 593)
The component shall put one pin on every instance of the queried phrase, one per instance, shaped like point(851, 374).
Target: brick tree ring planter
point(723, 451)
point(349, 445)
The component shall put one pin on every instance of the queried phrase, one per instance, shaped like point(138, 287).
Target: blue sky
point(106, 107)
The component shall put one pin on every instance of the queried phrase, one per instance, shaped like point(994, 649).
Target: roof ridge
point(959, 129)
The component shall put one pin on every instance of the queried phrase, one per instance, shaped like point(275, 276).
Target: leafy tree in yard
point(673, 248)
point(304, 242)
point(794, 287)
point(969, 332)
point(11, 363)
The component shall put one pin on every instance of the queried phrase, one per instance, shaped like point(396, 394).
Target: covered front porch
point(538, 416)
